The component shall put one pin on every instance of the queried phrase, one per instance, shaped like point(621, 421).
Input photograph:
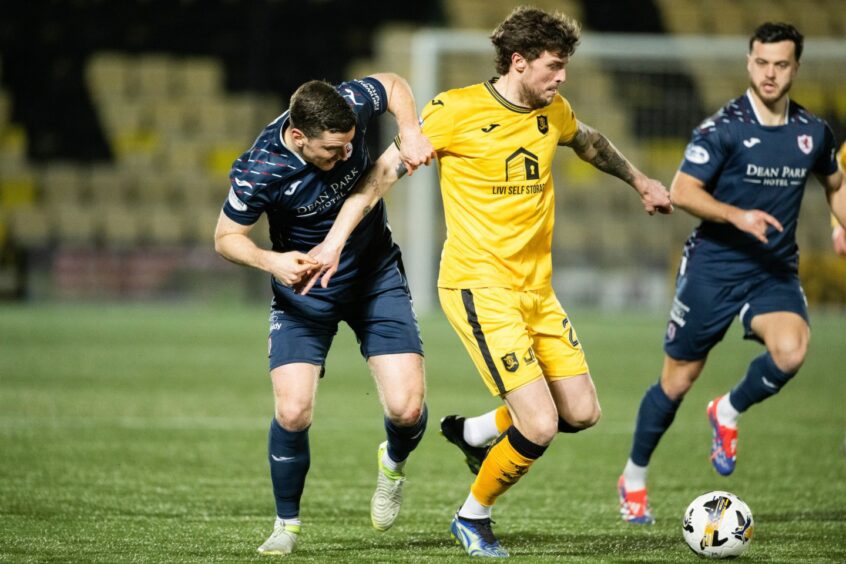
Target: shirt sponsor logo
point(696, 154)
point(774, 175)
point(333, 194)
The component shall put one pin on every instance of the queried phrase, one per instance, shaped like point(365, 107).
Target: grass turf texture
point(139, 434)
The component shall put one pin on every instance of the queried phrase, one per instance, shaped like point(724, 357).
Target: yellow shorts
point(514, 337)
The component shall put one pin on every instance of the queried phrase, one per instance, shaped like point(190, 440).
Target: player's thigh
point(576, 399)
point(297, 338)
point(491, 323)
point(533, 411)
point(401, 384)
point(777, 311)
point(554, 339)
point(382, 316)
point(701, 313)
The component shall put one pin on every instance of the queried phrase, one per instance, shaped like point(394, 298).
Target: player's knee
point(540, 430)
point(580, 421)
point(294, 419)
point(406, 417)
point(789, 354)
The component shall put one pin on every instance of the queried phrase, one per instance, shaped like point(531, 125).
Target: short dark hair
point(770, 32)
point(317, 107)
point(530, 31)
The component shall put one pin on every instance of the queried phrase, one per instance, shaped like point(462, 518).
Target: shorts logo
point(543, 124)
point(529, 357)
point(678, 312)
point(510, 362)
point(671, 331)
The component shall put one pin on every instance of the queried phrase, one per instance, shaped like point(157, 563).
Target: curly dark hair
point(317, 107)
point(531, 31)
point(775, 32)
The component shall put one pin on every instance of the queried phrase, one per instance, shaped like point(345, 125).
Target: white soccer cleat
point(281, 541)
point(387, 499)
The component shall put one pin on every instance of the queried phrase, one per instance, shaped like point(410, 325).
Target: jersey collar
point(751, 103)
point(501, 99)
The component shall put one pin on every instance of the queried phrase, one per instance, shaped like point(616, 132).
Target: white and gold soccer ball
point(718, 525)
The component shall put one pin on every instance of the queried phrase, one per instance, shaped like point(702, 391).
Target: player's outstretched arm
point(593, 147)
point(415, 148)
point(689, 194)
point(231, 241)
point(387, 169)
point(835, 192)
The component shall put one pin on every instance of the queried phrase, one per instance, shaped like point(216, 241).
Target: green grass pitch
point(138, 434)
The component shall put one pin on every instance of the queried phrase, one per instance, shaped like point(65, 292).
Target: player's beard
point(534, 99)
point(771, 98)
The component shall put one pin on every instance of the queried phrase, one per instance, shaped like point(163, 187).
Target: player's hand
point(838, 238)
point(654, 196)
point(756, 222)
point(290, 268)
point(328, 258)
point(415, 150)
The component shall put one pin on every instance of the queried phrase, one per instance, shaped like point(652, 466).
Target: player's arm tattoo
point(593, 147)
point(373, 186)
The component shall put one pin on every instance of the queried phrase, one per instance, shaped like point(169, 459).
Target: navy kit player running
point(299, 171)
point(744, 175)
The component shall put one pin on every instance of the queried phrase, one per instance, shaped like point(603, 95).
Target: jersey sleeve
point(246, 201)
point(705, 154)
point(569, 124)
point(826, 164)
point(437, 118)
point(367, 97)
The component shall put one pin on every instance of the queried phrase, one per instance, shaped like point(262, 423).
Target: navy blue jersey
point(751, 166)
point(301, 201)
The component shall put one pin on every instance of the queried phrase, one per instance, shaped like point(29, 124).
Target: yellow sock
point(503, 419)
point(503, 466)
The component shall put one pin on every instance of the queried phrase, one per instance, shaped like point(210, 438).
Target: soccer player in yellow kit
point(838, 233)
point(495, 143)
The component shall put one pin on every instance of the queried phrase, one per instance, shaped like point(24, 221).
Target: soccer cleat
point(476, 536)
point(724, 443)
point(452, 428)
point(634, 506)
point(387, 499)
point(281, 541)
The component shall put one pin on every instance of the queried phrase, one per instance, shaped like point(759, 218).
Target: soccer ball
point(718, 525)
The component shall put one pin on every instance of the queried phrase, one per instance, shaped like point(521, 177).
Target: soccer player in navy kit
point(744, 175)
point(299, 171)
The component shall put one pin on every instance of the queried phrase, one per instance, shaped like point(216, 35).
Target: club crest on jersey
point(510, 362)
point(543, 124)
point(806, 143)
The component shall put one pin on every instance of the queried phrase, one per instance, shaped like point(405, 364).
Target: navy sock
point(654, 417)
point(289, 457)
point(762, 380)
point(403, 440)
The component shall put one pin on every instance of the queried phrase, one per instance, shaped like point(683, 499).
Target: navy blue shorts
point(379, 310)
point(703, 310)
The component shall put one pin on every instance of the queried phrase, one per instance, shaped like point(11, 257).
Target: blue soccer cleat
point(477, 538)
point(724, 443)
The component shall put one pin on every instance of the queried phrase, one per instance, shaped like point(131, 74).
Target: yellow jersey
point(495, 166)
